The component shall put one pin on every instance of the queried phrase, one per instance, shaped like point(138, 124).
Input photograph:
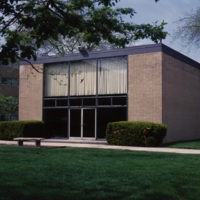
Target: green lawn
point(71, 173)
point(186, 145)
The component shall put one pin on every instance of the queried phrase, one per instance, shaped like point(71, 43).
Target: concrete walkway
point(100, 145)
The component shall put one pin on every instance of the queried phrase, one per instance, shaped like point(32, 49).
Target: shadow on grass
point(158, 196)
point(192, 144)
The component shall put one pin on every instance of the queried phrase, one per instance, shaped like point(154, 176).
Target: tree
point(25, 25)
point(188, 30)
point(65, 45)
point(8, 105)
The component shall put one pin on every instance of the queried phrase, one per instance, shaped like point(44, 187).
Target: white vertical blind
point(112, 76)
point(83, 78)
point(56, 80)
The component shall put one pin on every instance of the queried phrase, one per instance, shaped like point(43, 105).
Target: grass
point(186, 144)
point(80, 174)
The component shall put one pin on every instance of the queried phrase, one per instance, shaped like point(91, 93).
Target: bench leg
point(20, 142)
point(37, 143)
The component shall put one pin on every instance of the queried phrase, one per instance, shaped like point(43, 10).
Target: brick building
point(77, 95)
point(9, 85)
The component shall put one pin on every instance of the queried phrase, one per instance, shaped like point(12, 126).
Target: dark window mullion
point(97, 85)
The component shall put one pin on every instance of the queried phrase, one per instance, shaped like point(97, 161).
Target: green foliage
point(26, 25)
point(135, 133)
point(8, 105)
point(12, 129)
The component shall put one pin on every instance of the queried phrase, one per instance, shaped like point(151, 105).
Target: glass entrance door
point(82, 123)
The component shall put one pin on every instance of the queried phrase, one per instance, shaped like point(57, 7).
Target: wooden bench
point(20, 140)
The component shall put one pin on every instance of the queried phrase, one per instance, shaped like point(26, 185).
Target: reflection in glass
point(56, 80)
point(83, 78)
point(112, 75)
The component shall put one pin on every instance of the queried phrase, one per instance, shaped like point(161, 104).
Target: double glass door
point(82, 123)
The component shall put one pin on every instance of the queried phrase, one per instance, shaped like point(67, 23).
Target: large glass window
point(112, 76)
point(83, 78)
point(112, 115)
point(9, 81)
point(56, 80)
point(4, 81)
point(56, 122)
point(78, 92)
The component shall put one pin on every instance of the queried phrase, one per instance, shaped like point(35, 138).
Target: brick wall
point(30, 93)
point(181, 99)
point(145, 87)
point(165, 90)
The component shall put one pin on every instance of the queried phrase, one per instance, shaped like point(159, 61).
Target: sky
point(147, 11)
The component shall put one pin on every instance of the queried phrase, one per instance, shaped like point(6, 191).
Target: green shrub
point(12, 129)
point(135, 133)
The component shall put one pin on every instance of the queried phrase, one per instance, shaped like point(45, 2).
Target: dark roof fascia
point(99, 54)
point(171, 52)
point(118, 52)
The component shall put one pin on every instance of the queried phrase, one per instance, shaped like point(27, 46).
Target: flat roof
point(117, 52)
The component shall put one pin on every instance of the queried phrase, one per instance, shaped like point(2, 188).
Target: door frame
point(82, 120)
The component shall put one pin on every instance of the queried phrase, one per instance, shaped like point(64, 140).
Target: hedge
point(126, 133)
point(12, 129)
